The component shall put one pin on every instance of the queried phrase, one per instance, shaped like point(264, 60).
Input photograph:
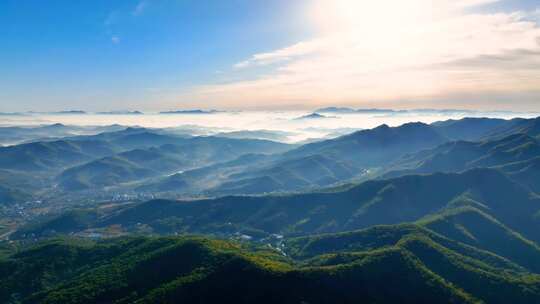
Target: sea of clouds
point(290, 125)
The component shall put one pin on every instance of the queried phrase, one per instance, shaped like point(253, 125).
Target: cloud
point(518, 60)
point(140, 8)
point(281, 55)
point(420, 50)
point(115, 39)
point(536, 15)
point(472, 3)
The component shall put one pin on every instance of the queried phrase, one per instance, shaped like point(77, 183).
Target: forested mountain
point(526, 172)
point(312, 165)
point(166, 159)
point(289, 175)
point(470, 128)
point(375, 146)
point(256, 174)
point(411, 214)
point(530, 127)
point(460, 155)
point(359, 156)
point(9, 195)
point(392, 201)
point(41, 156)
point(129, 157)
point(171, 270)
point(111, 158)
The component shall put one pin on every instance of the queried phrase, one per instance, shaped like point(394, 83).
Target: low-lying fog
point(287, 126)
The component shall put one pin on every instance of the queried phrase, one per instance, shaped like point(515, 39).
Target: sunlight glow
point(386, 51)
point(370, 17)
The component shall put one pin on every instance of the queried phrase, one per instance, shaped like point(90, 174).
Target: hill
point(526, 172)
point(167, 159)
point(391, 201)
point(10, 195)
point(40, 156)
point(133, 138)
point(312, 116)
point(374, 147)
point(458, 264)
point(345, 110)
point(469, 128)
point(358, 156)
point(472, 226)
point(60, 154)
point(461, 155)
point(376, 202)
point(289, 175)
point(149, 270)
point(530, 127)
point(191, 112)
point(101, 173)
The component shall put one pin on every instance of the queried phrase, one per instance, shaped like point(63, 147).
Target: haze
point(293, 127)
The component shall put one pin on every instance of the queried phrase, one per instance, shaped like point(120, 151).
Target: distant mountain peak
point(138, 129)
point(121, 113)
point(70, 112)
point(194, 111)
point(56, 125)
point(314, 115)
point(382, 127)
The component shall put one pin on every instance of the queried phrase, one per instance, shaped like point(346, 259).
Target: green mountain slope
point(391, 201)
point(51, 155)
point(356, 157)
point(139, 164)
point(474, 227)
point(173, 270)
point(290, 175)
point(526, 172)
point(469, 128)
point(375, 146)
point(489, 277)
point(530, 127)
point(462, 155)
point(10, 195)
point(104, 172)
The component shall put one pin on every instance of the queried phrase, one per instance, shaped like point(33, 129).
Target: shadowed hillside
point(164, 270)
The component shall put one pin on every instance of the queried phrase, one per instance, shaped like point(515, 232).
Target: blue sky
point(60, 52)
point(168, 54)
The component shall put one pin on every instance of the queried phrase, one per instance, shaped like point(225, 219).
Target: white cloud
point(417, 50)
point(115, 39)
point(281, 55)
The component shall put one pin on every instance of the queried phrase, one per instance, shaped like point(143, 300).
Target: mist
point(292, 126)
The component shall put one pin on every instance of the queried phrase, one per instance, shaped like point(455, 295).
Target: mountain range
point(152, 160)
point(354, 157)
point(419, 213)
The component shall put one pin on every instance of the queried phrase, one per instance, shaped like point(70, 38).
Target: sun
point(375, 17)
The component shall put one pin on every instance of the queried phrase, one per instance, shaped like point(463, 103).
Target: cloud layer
point(386, 52)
